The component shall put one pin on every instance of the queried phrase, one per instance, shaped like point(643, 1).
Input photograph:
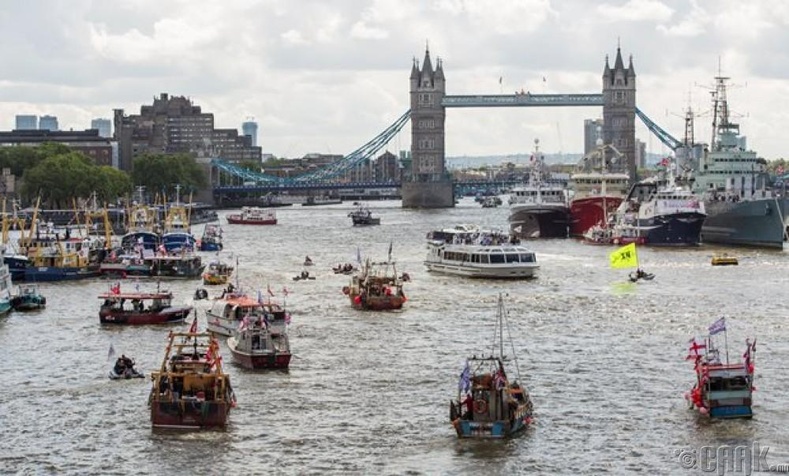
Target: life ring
point(480, 406)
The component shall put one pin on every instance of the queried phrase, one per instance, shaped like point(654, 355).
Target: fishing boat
point(120, 265)
point(539, 208)
point(227, 312)
point(660, 211)
point(376, 287)
point(211, 239)
point(140, 308)
point(253, 216)
point(734, 183)
point(723, 389)
point(724, 259)
point(5, 290)
point(28, 298)
point(177, 235)
point(184, 265)
point(362, 216)
point(191, 391)
point(489, 404)
point(467, 250)
point(627, 257)
point(217, 272)
point(596, 193)
point(262, 343)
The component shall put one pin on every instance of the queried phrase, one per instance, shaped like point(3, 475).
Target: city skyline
point(327, 78)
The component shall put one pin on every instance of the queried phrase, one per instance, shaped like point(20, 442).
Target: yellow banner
point(624, 257)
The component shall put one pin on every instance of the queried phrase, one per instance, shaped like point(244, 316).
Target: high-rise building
point(593, 129)
point(26, 122)
point(250, 128)
point(173, 124)
point(104, 126)
point(48, 123)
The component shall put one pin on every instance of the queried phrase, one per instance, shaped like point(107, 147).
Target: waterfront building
point(26, 122)
point(250, 128)
point(98, 149)
point(48, 123)
point(387, 168)
point(104, 126)
point(174, 124)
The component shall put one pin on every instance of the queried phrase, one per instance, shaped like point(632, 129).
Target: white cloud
point(636, 10)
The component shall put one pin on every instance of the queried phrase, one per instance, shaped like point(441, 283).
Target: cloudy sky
point(326, 77)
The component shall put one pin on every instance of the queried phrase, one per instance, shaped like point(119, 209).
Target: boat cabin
point(236, 307)
point(136, 302)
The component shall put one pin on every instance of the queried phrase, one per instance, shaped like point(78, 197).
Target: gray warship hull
point(747, 223)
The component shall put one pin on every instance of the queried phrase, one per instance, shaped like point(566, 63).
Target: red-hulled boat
point(140, 308)
point(262, 343)
point(253, 216)
point(377, 287)
point(191, 391)
point(596, 194)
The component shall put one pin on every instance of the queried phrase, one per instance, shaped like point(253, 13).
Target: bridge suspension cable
point(335, 169)
point(664, 137)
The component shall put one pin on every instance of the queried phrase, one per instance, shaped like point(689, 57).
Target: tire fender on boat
point(480, 406)
point(346, 289)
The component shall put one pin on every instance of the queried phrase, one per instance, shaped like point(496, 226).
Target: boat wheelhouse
point(227, 313)
point(467, 250)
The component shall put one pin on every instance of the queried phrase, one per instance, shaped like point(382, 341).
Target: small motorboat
point(346, 268)
point(124, 369)
point(724, 260)
point(303, 276)
point(28, 298)
point(308, 261)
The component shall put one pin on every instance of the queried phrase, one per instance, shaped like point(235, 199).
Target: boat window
point(527, 258)
point(475, 258)
point(495, 258)
point(484, 259)
point(512, 258)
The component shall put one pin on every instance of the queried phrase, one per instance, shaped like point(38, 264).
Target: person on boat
point(468, 402)
point(307, 260)
point(120, 365)
point(305, 274)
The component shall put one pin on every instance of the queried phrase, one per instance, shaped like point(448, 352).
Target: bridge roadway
point(522, 100)
point(230, 190)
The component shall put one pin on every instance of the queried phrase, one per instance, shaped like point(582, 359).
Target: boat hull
point(756, 223)
point(43, 273)
point(590, 211)
point(5, 306)
point(236, 220)
point(379, 303)
point(165, 316)
point(267, 360)
point(491, 429)
point(544, 221)
point(189, 415)
point(28, 303)
point(208, 246)
point(681, 229)
point(483, 272)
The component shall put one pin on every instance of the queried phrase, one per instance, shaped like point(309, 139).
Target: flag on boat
point(624, 257)
point(693, 351)
point(358, 255)
point(285, 291)
point(390, 251)
point(111, 352)
point(115, 288)
point(718, 326)
point(193, 327)
point(244, 325)
point(260, 297)
point(751, 348)
point(270, 292)
point(287, 318)
point(464, 385)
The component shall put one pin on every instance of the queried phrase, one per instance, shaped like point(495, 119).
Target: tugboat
point(489, 405)
point(376, 287)
point(191, 391)
point(722, 389)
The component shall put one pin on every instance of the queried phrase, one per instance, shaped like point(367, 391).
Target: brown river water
point(368, 393)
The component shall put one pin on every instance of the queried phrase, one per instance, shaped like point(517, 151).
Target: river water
point(368, 393)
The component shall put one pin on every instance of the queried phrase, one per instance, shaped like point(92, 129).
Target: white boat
point(467, 250)
point(227, 312)
point(539, 209)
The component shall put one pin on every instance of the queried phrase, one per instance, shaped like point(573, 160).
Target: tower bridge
point(428, 185)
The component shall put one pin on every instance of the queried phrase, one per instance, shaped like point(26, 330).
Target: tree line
point(59, 174)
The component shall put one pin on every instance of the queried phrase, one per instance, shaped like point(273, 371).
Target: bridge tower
point(428, 185)
point(619, 112)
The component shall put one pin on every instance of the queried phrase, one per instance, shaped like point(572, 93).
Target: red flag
point(193, 328)
point(270, 292)
point(115, 288)
point(285, 291)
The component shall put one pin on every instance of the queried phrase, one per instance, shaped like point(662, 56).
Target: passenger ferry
point(467, 250)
